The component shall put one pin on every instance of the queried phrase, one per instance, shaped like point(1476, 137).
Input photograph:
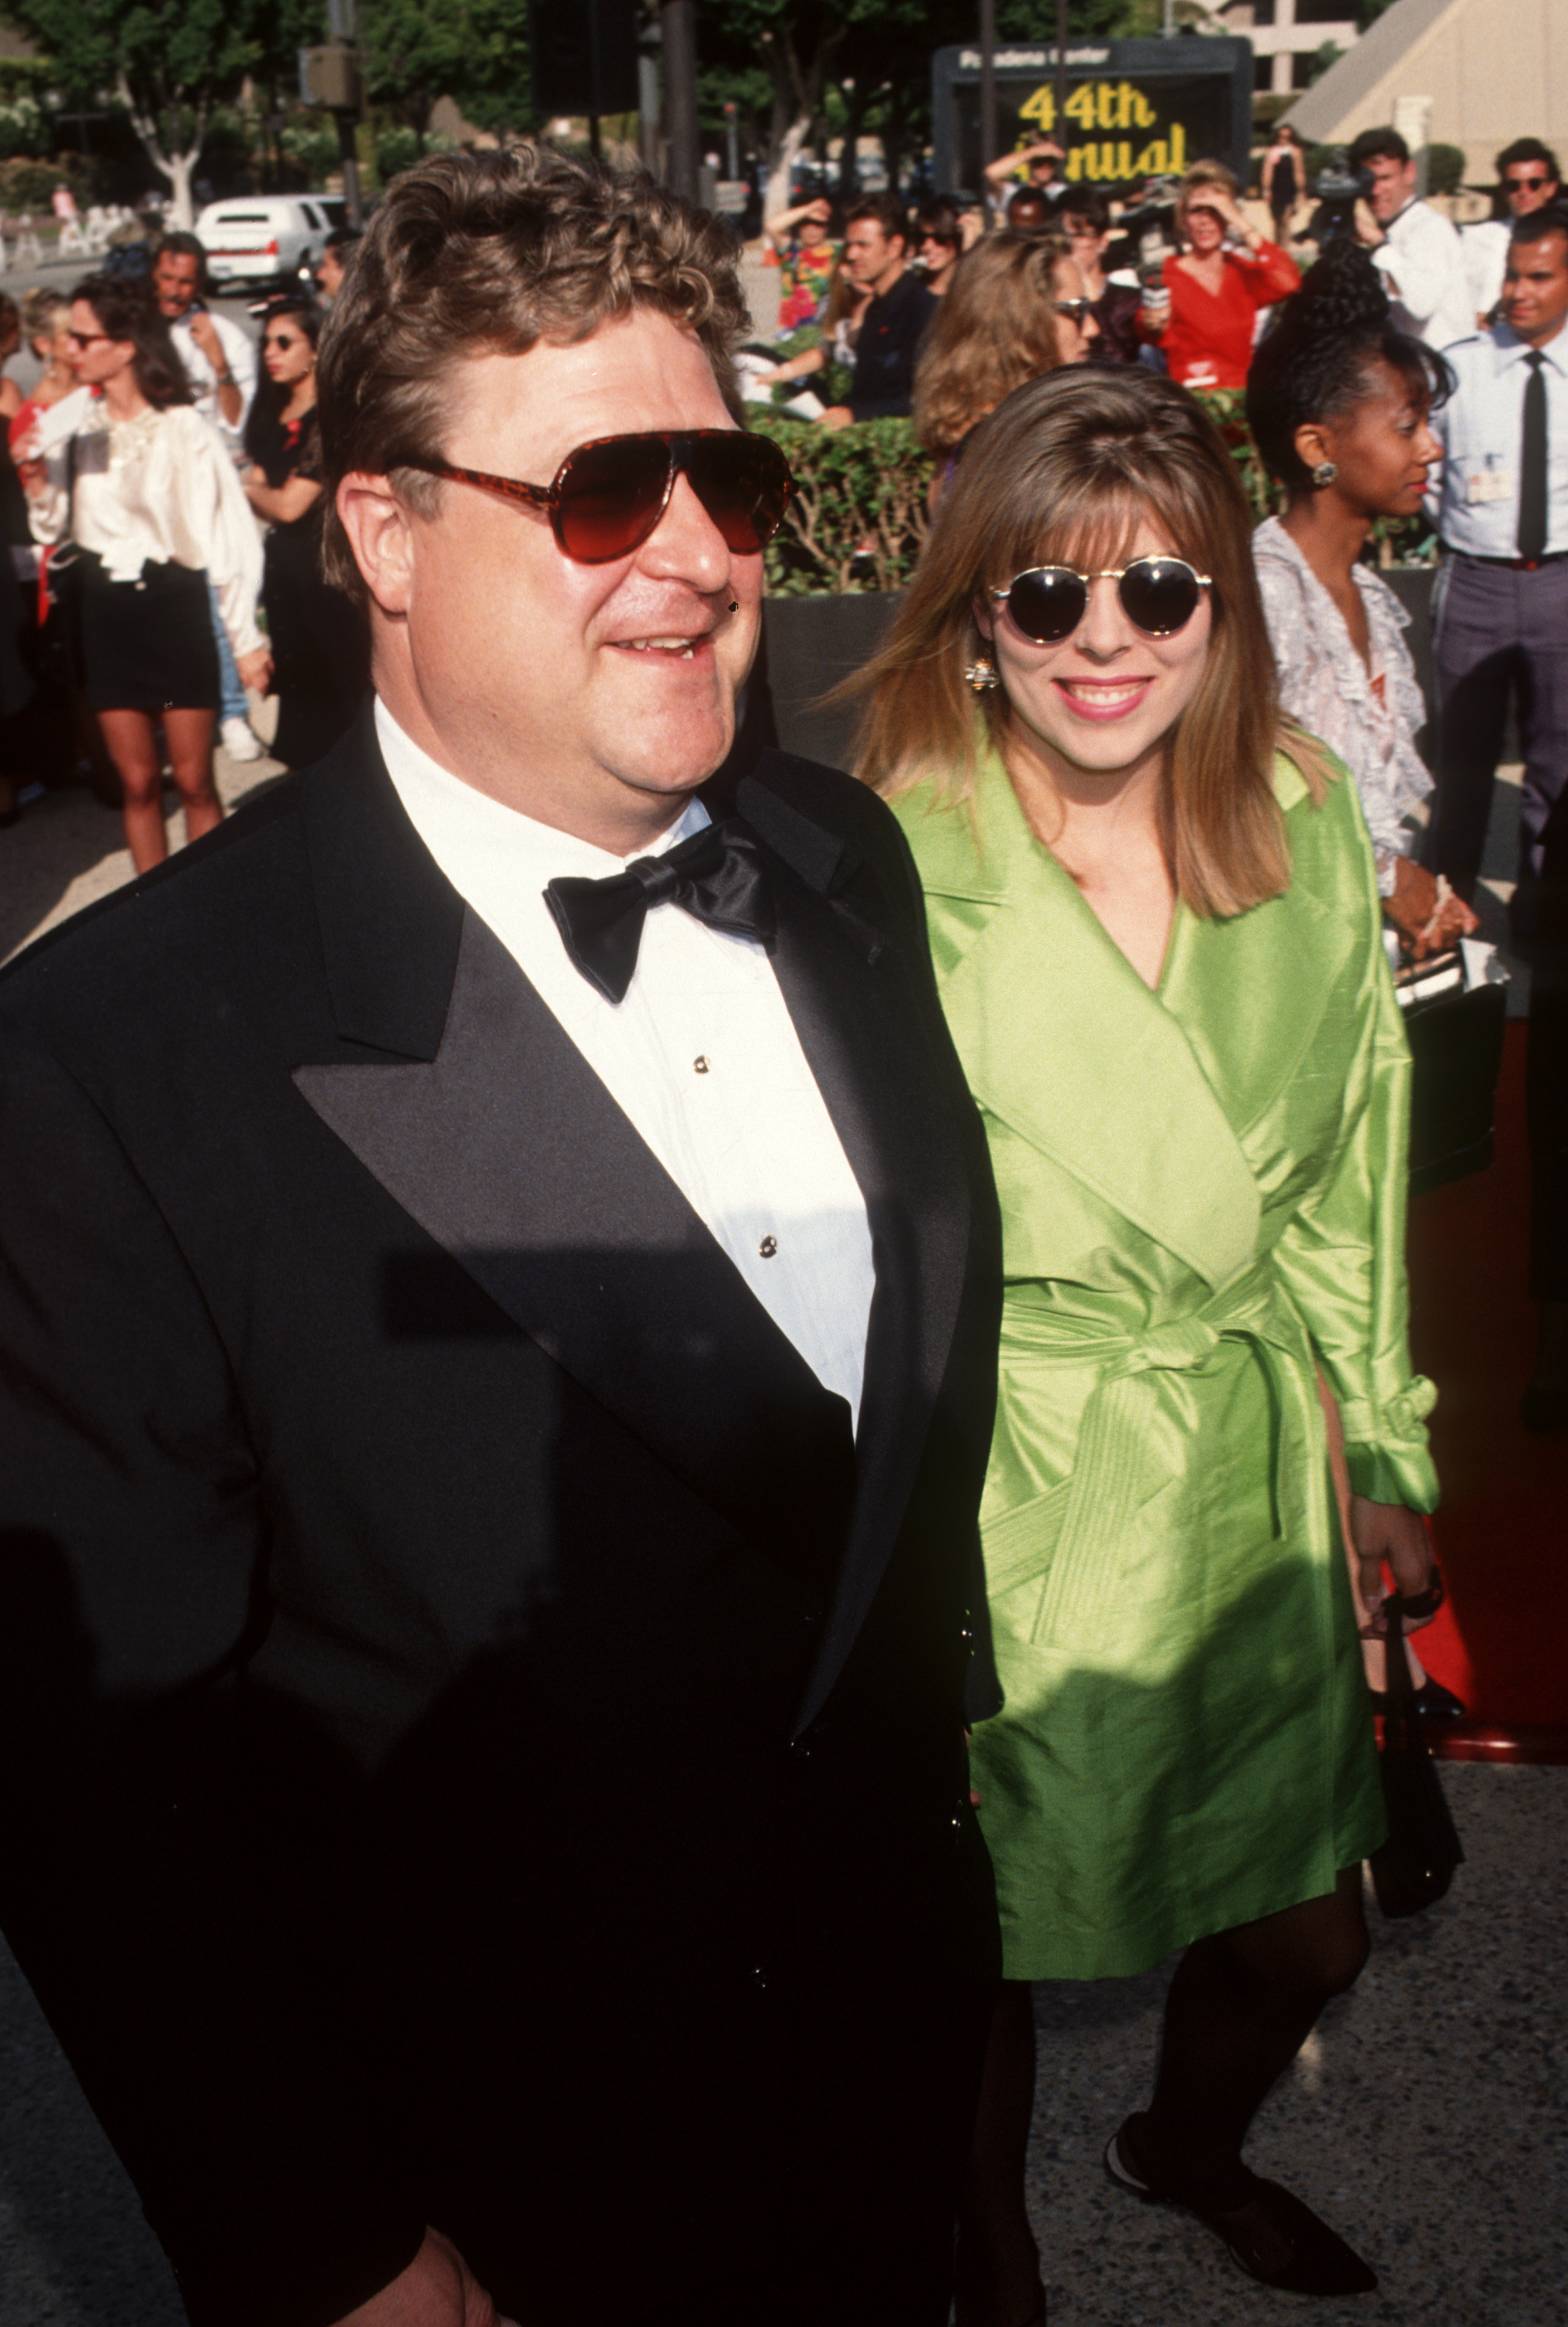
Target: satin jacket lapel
point(890, 1102)
point(1062, 1039)
point(508, 1152)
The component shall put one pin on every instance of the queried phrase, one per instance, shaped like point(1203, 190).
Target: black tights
point(1240, 2008)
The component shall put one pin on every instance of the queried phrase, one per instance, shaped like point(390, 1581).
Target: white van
point(265, 238)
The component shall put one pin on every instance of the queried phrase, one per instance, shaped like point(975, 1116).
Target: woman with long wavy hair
point(1017, 307)
point(144, 490)
point(1156, 925)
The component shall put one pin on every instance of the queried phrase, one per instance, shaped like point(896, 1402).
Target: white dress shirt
point(1484, 250)
point(1475, 505)
point(1422, 258)
point(159, 487)
point(702, 1056)
point(240, 353)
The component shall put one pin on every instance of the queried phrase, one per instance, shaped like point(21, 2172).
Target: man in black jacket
point(498, 1308)
point(876, 242)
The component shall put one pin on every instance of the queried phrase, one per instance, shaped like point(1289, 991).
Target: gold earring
point(982, 673)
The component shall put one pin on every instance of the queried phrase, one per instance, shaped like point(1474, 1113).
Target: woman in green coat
point(1154, 916)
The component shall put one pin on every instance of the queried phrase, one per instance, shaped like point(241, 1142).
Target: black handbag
point(1413, 1868)
point(1456, 1048)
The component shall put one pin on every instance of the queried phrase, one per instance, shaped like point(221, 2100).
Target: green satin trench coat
point(1203, 1203)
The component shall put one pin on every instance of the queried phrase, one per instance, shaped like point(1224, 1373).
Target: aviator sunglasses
point(608, 497)
point(1159, 595)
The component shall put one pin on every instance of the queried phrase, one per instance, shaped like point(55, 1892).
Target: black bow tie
point(717, 876)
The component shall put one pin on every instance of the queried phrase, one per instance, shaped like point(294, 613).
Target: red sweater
point(1208, 342)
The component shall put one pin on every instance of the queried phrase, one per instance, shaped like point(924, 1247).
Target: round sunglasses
point(1159, 596)
point(608, 497)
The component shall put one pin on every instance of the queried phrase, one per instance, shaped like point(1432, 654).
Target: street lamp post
point(1061, 69)
point(987, 83)
point(677, 22)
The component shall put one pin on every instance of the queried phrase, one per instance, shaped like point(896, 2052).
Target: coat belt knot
point(1119, 1463)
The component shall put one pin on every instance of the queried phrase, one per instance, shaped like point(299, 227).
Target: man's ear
point(380, 534)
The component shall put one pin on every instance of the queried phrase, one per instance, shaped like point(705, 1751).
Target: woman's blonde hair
point(44, 313)
point(1202, 178)
point(1065, 473)
point(995, 328)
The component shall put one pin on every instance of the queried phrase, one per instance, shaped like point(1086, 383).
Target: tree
point(876, 56)
point(168, 61)
point(806, 48)
point(474, 51)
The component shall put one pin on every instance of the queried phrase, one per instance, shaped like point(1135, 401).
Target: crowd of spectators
point(134, 547)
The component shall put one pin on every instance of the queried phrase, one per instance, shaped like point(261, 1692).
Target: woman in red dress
point(1205, 318)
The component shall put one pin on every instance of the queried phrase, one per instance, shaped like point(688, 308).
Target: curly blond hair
point(995, 328)
point(489, 253)
point(43, 312)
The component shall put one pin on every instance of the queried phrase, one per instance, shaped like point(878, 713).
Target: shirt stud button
point(768, 1247)
point(700, 1066)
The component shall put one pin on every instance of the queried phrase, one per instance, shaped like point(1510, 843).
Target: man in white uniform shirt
point(1501, 509)
point(496, 1369)
point(1415, 249)
point(219, 361)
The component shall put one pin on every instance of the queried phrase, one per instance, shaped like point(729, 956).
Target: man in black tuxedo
point(492, 1412)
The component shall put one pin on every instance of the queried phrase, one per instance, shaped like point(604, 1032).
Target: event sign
point(1135, 108)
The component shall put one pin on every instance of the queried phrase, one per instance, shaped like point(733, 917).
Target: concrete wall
point(1494, 69)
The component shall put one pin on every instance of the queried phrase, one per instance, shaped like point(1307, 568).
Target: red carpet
point(1502, 1642)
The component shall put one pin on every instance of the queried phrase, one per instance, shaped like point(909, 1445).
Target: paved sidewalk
point(1425, 2119)
point(69, 850)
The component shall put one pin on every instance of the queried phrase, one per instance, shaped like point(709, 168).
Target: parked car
point(265, 238)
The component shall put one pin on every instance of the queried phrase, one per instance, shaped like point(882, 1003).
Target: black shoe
point(1432, 1702)
point(1274, 2235)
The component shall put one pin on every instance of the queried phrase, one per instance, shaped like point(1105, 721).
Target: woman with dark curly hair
point(1339, 403)
point(143, 487)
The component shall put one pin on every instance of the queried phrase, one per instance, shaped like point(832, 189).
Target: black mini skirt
point(146, 645)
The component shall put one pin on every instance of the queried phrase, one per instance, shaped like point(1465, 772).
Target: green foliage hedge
point(858, 520)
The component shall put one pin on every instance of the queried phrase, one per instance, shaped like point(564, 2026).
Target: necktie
point(1533, 463)
point(717, 876)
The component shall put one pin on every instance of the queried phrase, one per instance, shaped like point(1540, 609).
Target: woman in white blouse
point(143, 490)
point(1338, 402)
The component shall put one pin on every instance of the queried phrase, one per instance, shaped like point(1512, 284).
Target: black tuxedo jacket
point(480, 1741)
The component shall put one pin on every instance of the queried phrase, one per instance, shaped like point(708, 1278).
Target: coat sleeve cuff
point(1386, 1449)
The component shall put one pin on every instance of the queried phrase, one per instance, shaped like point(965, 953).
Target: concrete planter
point(809, 645)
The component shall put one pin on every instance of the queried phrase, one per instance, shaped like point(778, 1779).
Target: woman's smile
point(1103, 698)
